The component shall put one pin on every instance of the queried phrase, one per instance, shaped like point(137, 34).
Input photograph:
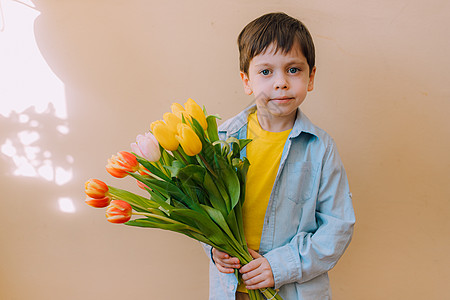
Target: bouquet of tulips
point(195, 183)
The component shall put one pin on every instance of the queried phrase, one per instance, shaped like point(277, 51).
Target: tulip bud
point(95, 188)
point(147, 146)
point(141, 185)
point(119, 165)
point(98, 202)
point(188, 140)
point(196, 112)
point(118, 211)
point(164, 135)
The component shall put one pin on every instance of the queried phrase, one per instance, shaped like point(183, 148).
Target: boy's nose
point(280, 82)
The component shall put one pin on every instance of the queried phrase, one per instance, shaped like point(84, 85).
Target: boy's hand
point(224, 262)
point(257, 274)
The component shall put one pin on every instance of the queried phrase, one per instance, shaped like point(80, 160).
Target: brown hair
point(277, 28)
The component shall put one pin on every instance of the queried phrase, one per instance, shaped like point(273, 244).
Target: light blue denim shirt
point(309, 219)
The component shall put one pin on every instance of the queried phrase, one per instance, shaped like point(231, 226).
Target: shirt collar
point(301, 124)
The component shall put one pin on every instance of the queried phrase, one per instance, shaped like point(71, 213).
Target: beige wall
point(381, 91)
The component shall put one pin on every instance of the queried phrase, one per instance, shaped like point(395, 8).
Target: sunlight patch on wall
point(66, 205)
point(33, 111)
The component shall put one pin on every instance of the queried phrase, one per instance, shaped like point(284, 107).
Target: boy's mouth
point(281, 99)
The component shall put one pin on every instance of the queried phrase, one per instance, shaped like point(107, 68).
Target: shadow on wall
point(34, 125)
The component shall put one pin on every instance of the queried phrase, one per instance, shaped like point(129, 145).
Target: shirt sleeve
point(310, 254)
point(208, 250)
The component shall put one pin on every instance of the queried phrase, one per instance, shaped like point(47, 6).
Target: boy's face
point(279, 82)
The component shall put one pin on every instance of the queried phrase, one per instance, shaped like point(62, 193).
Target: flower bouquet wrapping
point(195, 183)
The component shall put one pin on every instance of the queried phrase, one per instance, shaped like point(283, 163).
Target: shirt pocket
point(301, 179)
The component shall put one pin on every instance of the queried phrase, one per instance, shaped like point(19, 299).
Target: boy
point(298, 214)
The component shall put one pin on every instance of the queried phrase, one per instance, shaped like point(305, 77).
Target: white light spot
point(34, 123)
point(46, 171)
point(8, 149)
point(63, 176)
point(24, 118)
point(47, 154)
point(31, 152)
point(70, 159)
point(62, 129)
point(24, 168)
point(28, 137)
point(66, 205)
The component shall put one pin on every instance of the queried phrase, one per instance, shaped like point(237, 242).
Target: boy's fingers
point(253, 253)
point(225, 270)
point(254, 264)
point(228, 264)
point(225, 257)
point(220, 254)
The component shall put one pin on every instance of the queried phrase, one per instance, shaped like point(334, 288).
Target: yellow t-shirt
point(264, 154)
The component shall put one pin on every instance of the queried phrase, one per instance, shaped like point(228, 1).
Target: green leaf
point(242, 166)
point(210, 229)
point(221, 150)
point(218, 218)
point(175, 192)
point(198, 129)
point(155, 223)
point(215, 196)
point(229, 177)
point(151, 167)
point(212, 129)
point(175, 167)
point(139, 203)
point(193, 174)
point(243, 143)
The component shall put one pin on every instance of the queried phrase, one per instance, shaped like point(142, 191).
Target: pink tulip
point(147, 146)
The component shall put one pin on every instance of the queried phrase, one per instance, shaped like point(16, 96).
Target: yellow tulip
point(178, 110)
point(164, 135)
point(172, 121)
point(188, 140)
point(196, 112)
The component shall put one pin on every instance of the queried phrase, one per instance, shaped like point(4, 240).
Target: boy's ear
point(245, 82)
point(311, 79)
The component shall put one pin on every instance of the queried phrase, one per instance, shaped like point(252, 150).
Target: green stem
point(207, 165)
point(161, 167)
point(144, 170)
point(179, 155)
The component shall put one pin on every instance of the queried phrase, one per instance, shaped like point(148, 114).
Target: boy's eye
point(293, 70)
point(265, 72)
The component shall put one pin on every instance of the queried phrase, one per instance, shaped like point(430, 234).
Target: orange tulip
point(188, 140)
point(95, 188)
point(98, 202)
point(196, 112)
point(118, 211)
point(164, 135)
point(142, 185)
point(119, 165)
